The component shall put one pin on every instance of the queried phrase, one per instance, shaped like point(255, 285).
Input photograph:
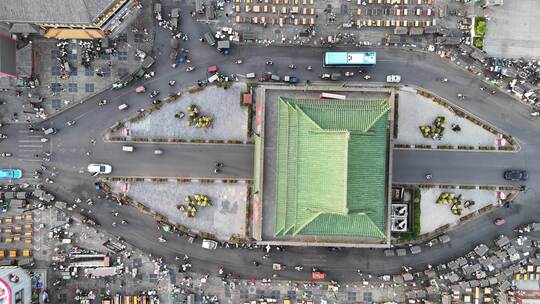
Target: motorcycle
point(5, 154)
point(189, 69)
point(161, 239)
point(172, 82)
point(43, 140)
point(70, 123)
point(309, 68)
point(292, 66)
point(367, 77)
point(102, 102)
point(269, 62)
point(2, 136)
point(349, 74)
point(154, 93)
point(239, 61)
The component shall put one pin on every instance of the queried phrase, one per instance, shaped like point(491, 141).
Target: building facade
point(75, 19)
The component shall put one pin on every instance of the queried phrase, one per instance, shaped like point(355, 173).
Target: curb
point(184, 142)
point(181, 179)
point(435, 148)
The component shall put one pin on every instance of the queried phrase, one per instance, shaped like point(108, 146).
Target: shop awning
point(74, 34)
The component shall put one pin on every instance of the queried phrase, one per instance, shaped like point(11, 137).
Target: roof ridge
point(381, 113)
point(309, 221)
point(347, 136)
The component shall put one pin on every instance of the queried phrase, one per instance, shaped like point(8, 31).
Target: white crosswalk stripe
point(28, 146)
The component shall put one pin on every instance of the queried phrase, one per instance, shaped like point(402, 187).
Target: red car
point(499, 221)
point(262, 78)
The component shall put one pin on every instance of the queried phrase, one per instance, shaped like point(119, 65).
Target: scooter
point(189, 69)
point(70, 123)
point(239, 61)
point(309, 68)
point(2, 136)
point(44, 140)
point(292, 66)
point(102, 102)
point(367, 77)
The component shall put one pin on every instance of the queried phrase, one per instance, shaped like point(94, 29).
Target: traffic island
point(215, 208)
point(446, 206)
point(428, 122)
point(209, 115)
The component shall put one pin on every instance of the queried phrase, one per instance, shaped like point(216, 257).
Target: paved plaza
point(415, 110)
point(512, 30)
point(435, 215)
point(227, 216)
point(229, 118)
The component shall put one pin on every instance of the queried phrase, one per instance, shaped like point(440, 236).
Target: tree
point(481, 28)
point(478, 42)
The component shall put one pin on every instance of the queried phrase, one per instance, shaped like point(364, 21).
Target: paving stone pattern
point(83, 82)
point(225, 218)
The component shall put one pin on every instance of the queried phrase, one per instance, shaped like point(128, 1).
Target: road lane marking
point(29, 141)
point(30, 146)
point(30, 159)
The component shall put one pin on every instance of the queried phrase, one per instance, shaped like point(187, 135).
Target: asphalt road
point(70, 145)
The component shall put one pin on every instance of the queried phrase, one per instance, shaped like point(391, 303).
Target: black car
point(516, 175)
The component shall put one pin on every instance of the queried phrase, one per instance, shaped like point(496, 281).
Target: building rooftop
point(331, 168)
point(52, 11)
point(8, 51)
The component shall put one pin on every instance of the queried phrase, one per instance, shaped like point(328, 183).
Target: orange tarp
point(74, 34)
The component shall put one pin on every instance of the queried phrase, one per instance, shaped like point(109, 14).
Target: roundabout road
point(70, 145)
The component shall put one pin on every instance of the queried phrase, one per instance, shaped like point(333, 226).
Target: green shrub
point(480, 26)
point(478, 42)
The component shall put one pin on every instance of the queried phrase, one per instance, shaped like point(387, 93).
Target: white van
point(123, 107)
point(209, 244)
point(213, 78)
point(127, 148)
point(49, 131)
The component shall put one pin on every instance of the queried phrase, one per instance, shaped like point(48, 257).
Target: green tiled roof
point(331, 167)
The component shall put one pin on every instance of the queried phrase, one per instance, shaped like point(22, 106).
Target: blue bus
point(344, 59)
